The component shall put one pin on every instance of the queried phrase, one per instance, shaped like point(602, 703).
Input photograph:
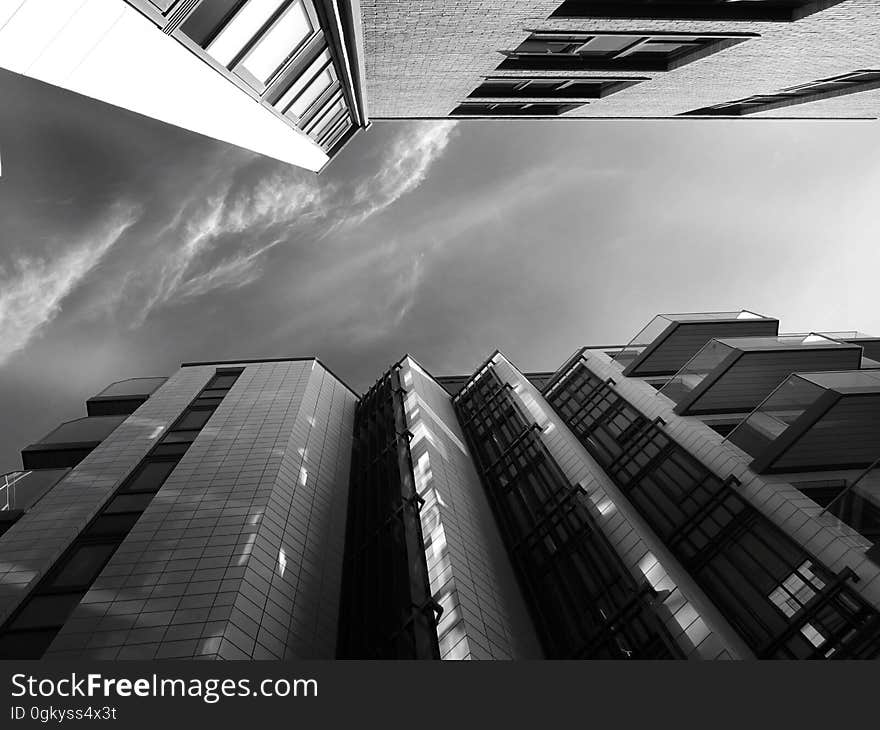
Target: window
point(797, 590)
point(82, 565)
point(305, 89)
point(555, 88)
point(586, 602)
point(851, 83)
point(754, 573)
point(279, 44)
point(150, 476)
point(277, 49)
point(222, 381)
point(769, 10)
point(193, 419)
point(255, 39)
point(107, 525)
point(50, 610)
point(511, 109)
point(563, 51)
point(129, 503)
point(208, 18)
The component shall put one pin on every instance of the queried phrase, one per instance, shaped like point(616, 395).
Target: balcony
point(123, 397)
point(70, 443)
point(735, 375)
point(20, 490)
point(851, 505)
point(670, 340)
point(815, 421)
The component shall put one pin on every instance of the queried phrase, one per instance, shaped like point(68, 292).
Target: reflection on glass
point(659, 324)
point(695, 370)
point(241, 29)
point(132, 386)
point(778, 411)
point(328, 114)
point(280, 43)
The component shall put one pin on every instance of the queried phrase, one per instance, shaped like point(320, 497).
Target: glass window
point(248, 21)
point(47, 610)
point(150, 476)
point(304, 79)
point(106, 525)
point(328, 114)
point(83, 565)
point(193, 419)
point(180, 437)
point(208, 18)
point(26, 644)
point(218, 392)
point(319, 77)
point(609, 43)
point(223, 380)
point(279, 44)
point(173, 449)
point(129, 503)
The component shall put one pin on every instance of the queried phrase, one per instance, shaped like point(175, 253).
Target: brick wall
point(423, 57)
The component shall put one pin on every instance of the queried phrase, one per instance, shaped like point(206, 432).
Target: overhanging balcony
point(670, 340)
point(813, 422)
point(735, 375)
point(70, 443)
point(123, 397)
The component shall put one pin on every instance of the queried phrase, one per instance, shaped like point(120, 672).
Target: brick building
point(622, 58)
point(709, 490)
point(297, 79)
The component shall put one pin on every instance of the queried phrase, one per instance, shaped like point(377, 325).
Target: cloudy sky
point(127, 246)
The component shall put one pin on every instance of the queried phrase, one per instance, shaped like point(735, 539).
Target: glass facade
point(566, 51)
point(386, 609)
point(32, 627)
point(780, 599)
point(584, 601)
point(851, 83)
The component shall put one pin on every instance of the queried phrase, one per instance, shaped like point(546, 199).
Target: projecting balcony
point(851, 504)
point(670, 340)
point(19, 490)
point(735, 375)
point(123, 397)
point(70, 443)
point(815, 421)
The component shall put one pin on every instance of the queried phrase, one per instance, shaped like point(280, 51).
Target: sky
point(128, 246)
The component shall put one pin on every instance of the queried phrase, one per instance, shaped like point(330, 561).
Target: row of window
point(829, 88)
point(549, 51)
point(584, 601)
point(386, 607)
point(275, 48)
point(781, 600)
point(31, 629)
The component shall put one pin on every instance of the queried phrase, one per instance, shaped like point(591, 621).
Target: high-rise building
point(279, 77)
point(708, 490)
point(296, 79)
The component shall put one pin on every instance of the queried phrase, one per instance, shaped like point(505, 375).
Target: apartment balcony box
point(20, 490)
point(815, 421)
point(870, 346)
point(735, 375)
point(670, 340)
point(123, 397)
point(70, 443)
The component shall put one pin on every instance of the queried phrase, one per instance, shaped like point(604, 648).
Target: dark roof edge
point(258, 360)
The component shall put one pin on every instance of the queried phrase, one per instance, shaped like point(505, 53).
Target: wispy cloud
point(221, 231)
point(33, 289)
